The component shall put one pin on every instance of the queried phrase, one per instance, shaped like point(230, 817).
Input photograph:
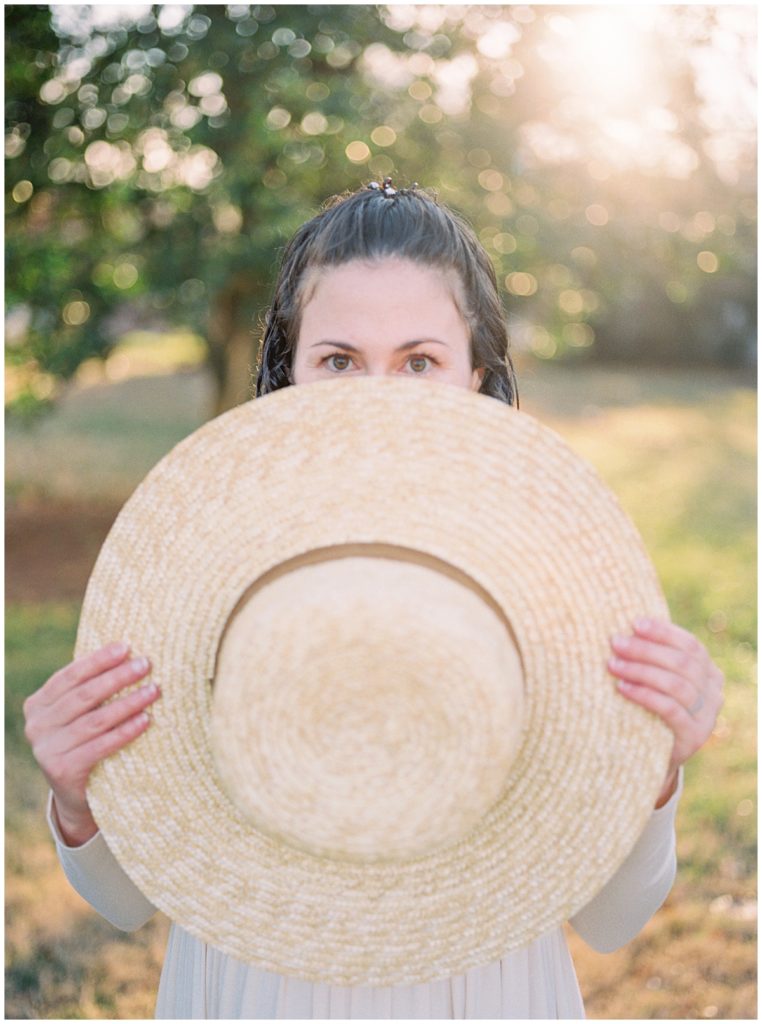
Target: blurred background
point(158, 158)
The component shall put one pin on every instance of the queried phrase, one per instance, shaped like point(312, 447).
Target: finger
point(666, 632)
point(107, 717)
point(662, 680)
point(671, 713)
point(78, 763)
point(91, 694)
point(109, 742)
point(80, 670)
point(718, 678)
point(55, 750)
point(633, 648)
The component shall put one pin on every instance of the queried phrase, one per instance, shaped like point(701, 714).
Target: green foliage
point(156, 166)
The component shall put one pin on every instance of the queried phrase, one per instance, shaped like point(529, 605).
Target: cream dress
point(535, 982)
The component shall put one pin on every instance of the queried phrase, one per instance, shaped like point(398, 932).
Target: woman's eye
point(336, 355)
point(418, 363)
point(419, 359)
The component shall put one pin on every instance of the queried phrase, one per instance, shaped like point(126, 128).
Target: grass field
point(678, 449)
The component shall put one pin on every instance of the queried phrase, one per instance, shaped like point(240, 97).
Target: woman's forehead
point(351, 282)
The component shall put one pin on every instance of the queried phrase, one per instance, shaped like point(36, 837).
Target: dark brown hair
point(370, 224)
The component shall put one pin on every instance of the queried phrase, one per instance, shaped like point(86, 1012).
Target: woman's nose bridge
point(376, 368)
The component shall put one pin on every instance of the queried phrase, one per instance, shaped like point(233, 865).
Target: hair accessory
point(388, 189)
point(411, 758)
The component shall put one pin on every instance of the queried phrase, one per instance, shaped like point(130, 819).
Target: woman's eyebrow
point(400, 348)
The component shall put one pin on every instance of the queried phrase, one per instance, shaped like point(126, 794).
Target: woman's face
point(392, 316)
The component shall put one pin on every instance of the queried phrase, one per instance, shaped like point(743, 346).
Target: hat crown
point(366, 708)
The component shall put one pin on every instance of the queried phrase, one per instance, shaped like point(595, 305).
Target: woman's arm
point(96, 875)
point(71, 725)
point(668, 671)
point(633, 895)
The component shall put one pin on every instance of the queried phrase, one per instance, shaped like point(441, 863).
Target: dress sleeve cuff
point(56, 832)
point(94, 872)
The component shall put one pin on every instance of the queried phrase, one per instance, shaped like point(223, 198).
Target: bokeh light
point(574, 138)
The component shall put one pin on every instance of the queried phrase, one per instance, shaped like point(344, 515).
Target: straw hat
point(388, 747)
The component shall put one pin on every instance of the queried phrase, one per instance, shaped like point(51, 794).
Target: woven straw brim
point(428, 468)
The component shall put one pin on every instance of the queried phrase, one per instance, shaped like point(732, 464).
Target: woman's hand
point(668, 670)
point(70, 729)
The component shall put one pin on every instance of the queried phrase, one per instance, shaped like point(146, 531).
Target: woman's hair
point(370, 224)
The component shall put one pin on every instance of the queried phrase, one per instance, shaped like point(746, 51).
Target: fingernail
point(118, 649)
point(620, 640)
point(642, 623)
point(139, 664)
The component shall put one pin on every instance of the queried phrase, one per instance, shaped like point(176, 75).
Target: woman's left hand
point(667, 670)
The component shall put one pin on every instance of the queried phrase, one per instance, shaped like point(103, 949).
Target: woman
point(382, 281)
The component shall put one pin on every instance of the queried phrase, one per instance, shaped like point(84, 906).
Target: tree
point(158, 161)
point(164, 162)
point(609, 159)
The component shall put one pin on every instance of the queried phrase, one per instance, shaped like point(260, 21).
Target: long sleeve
point(95, 874)
point(633, 895)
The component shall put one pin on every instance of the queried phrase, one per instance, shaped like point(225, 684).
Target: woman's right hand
point(70, 729)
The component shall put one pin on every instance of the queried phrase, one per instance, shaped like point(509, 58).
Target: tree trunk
point(233, 339)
